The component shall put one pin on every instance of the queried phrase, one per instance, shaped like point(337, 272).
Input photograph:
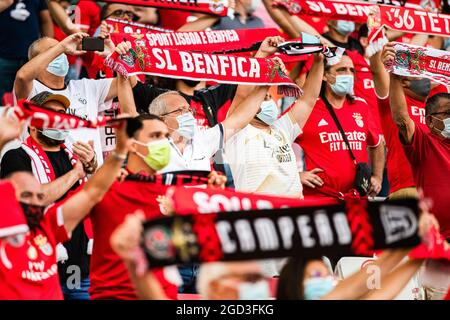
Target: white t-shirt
point(87, 100)
point(197, 152)
point(264, 162)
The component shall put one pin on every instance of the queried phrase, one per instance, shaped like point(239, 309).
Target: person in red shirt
point(28, 267)
point(323, 145)
point(416, 91)
point(428, 151)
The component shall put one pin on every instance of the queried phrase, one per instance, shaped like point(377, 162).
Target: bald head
point(40, 45)
point(28, 189)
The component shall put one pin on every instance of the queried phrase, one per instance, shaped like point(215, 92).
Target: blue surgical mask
point(56, 134)
point(343, 85)
point(186, 125)
point(59, 66)
point(345, 27)
point(316, 288)
point(254, 291)
point(269, 112)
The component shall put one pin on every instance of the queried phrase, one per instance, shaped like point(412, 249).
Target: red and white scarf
point(40, 163)
point(43, 118)
point(202, 66)
point(213, 7)
point(124, 26)
point(216, 41)
point(415, 61)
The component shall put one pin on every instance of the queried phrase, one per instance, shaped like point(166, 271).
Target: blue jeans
point(188, 273)
point(80, 293)
point(8, 70)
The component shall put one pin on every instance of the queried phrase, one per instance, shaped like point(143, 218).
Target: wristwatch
point(90, 167)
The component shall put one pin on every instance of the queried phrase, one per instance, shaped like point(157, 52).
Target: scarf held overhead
point(124, 26)
point(353, 229)
point(216, 41)
point(43, 118)
point(213, 7)
point(180, 64)
point(415, 61)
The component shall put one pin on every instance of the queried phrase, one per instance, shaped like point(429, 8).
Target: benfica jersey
point(28, 268)
point(109, 275)
point(398, 168)
point(325, 148)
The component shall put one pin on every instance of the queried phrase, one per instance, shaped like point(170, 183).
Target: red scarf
point(40, 163)
point(202, 66)
point(43, 118)
point(216, 41)
point(414, 61)
point(214, 7)
point(124, 26)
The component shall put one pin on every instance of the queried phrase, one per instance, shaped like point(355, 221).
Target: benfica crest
point(410, 59)
point(216, 6)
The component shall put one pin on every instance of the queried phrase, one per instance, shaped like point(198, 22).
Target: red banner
point(217, 41)
point(124, 26)
point(197, 200)
point(202, 66)
point(414, 61)
point(214, 7)
point(42, 118)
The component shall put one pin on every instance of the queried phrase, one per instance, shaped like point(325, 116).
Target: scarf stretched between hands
point(180, 64)
point(356, 228)
point(213, 7)
point(43, 118)
point(218, 41)
point(124, 26)
point(415, 61)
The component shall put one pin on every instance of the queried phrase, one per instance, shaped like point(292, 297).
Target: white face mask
point(186, 125)
point(59, 66)
point(55, 134)
point(254, 291)
point(269, 112)
point(446, 131)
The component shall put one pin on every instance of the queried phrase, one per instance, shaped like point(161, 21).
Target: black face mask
point(190, 83)
point(420, 87)
point(33, 214)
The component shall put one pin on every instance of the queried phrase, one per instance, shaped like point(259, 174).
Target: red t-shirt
point(398, 169)
point(28, 270)
point(174, 19)
point(324, 147)
point(109, 275)
point(429, 157)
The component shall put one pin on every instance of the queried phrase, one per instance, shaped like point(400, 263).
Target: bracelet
point(119, 156)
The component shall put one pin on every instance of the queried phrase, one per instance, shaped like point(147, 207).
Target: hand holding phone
point(93, 44)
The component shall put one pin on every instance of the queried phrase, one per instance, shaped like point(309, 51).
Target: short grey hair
point(158, 106)
point(32, 50)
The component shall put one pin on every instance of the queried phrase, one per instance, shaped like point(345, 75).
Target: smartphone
point(93, 44)
point(133, 124)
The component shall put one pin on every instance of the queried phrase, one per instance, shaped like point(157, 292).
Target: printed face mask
point(33, 214)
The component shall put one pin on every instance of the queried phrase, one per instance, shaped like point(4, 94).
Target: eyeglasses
point(122, 13)
point(180, 111)
point(447, 113)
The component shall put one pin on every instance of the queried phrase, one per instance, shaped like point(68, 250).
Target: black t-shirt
point(212, 98)
point(351, 45)
point(18, 160)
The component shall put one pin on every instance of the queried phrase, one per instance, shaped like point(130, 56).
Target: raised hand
point(72, 43)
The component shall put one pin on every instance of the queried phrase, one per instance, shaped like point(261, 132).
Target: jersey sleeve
point(289, 125)
point(54, 219)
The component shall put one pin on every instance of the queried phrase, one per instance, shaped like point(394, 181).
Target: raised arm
point(46, 24)
point(399, 108)
point(380, 75)
point(204, 22)
point(23, 83)
point(277, 15)
point(305, 104)
point(267, 48)
point(81, 203)
point(61, 17)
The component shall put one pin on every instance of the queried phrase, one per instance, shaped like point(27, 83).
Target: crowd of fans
point(85, 215)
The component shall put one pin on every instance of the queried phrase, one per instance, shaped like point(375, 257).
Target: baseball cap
point(46, 96)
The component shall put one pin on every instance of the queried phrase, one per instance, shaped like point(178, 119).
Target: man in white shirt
point(261, 156)
point(46, 70)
